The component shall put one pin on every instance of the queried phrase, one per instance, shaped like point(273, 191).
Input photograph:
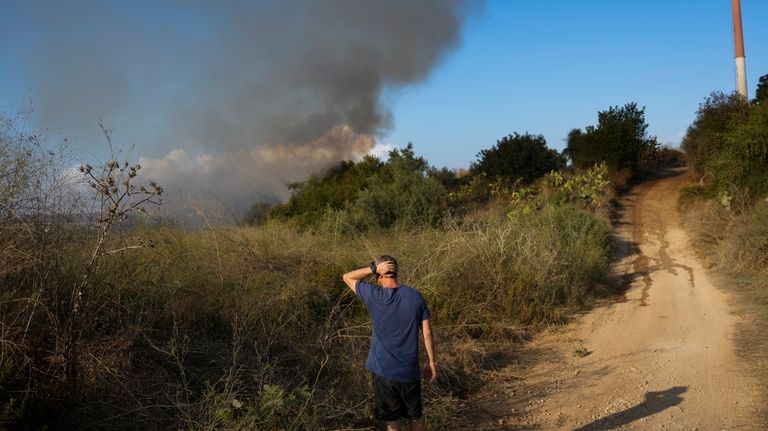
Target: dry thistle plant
point(117, 195)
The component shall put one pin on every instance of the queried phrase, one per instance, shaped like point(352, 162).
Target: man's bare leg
point(417, 424)
point(393, 426)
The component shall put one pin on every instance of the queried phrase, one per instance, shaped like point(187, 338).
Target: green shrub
point(743, 163)
point(337, 188)
point(477, 191)
point(727, 145)
point(704, 141)
point(370, 194)
point(401, 192)
point(591, 189)
point(517, 157)
point(761, 92)
point(619, 139)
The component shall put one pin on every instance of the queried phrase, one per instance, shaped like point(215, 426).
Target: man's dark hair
point(392, 260)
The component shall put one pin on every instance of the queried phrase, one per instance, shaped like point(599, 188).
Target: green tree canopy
point(728, 145)
point(620, 139)
point(401, 192)
point(743, 163)
point(334, 189)
point(518, 157)
point(761, 93)
point(704, 141)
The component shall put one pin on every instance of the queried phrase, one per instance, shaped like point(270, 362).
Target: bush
point(620, 140)
point(742, 165)
point(401, 192)
point(590, 190)
point(478, 191)
point(761, 93)
point(336, 189)
point(670, 158)
point(518, 158)
point(704, 140)
point(452, 180)
point(404, 190)
point(728, 145)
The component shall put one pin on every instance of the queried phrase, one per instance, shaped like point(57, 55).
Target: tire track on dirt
point(662, 357)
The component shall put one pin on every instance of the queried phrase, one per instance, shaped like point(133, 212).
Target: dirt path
point(662, 359)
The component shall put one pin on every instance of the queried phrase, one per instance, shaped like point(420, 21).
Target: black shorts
point(395, 400)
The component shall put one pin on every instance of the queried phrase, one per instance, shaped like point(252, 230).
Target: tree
point(703, 142)
point(401, 192)
point(334, 189)
point(728, 145)
point(518, 157)
point(450, 179)
point(761, 94)
point(743, 161)
point(620, 139)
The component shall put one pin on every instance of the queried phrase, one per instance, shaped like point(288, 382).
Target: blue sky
point(241, 98)
point(548, 66)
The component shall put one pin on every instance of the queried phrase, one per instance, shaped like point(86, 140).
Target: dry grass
point(233, 327)
point(709, 223)
point(161, 327)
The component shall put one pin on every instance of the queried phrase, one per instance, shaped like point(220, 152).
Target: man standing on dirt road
point(398, 312)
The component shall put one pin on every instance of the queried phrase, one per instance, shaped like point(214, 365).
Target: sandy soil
point(661, 358)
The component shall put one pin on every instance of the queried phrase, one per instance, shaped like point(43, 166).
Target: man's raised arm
point(352, 277)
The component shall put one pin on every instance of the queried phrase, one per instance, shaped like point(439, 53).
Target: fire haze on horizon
point(232, 100)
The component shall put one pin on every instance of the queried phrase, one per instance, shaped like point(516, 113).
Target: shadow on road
point(654, 403)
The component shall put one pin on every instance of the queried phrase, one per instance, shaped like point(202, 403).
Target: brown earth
point(662, 358)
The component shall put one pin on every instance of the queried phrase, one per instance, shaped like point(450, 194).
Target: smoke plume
point(227, 98)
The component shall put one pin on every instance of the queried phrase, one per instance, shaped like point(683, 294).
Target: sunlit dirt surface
point(660, 358)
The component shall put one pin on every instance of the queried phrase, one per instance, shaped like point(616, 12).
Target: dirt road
point(662, 359)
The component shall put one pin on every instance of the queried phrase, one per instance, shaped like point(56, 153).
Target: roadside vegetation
point(115, 319)
point(726, 209)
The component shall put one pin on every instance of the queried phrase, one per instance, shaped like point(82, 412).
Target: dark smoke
point(233, 98)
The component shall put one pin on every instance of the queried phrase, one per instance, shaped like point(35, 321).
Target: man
point(398, 312)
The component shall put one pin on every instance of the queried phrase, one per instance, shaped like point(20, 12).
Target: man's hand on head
point(352, 277)
point(385, 267)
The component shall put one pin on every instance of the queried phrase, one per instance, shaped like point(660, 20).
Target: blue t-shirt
point(397, 314)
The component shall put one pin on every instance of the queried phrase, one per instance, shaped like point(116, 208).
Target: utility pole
point(738, 39)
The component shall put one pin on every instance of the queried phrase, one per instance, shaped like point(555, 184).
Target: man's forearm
point(352, 277)
point(428, 343)
point(430, 370)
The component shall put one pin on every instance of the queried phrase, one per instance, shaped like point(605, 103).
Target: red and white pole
point(738, 39)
